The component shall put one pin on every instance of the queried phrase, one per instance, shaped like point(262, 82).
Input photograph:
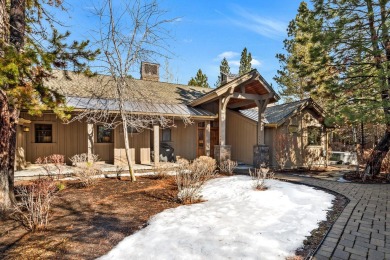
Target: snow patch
point(236, 222)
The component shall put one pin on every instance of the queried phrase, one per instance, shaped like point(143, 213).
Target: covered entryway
point(237, 93)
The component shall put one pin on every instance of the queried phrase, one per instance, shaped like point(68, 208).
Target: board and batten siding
point(184, 139)
point(67, 139)
point(241, 134)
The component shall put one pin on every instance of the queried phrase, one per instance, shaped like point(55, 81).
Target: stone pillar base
point(260, 155)
point(222, 152)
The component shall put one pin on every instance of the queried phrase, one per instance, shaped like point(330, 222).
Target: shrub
point(259, 177)
point(34, 202)
point(56, 160)
point(227, 167)
point(190, 177)
point(160, 171)
point(86, 168)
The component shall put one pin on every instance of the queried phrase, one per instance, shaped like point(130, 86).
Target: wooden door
point(214, 136)
point(201, 140)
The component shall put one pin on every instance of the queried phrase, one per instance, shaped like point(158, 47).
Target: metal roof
point(137, 107)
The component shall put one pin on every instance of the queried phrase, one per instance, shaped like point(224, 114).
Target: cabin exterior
point(207, 122)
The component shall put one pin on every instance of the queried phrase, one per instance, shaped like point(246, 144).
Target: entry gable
point(243, 92)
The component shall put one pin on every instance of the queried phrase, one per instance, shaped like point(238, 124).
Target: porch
point(35, 171)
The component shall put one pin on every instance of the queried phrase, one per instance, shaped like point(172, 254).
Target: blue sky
point(207, 31)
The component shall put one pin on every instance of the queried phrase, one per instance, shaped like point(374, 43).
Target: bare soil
point(88, 222)
point(355, 177)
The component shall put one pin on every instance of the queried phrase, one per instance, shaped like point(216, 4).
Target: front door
point(201, 140)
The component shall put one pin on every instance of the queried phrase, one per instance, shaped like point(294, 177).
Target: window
point(313, 135)
point(43, 133)
point(166, 135)
point(104, 135)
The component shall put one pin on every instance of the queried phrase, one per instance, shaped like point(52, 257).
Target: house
point(294, 131)
point(214, 129)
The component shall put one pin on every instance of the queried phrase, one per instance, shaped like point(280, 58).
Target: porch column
point(156, 144)
point(222, 152)
point(222, 121)
point(90, 141)
point(260, 150)
point(207, 138)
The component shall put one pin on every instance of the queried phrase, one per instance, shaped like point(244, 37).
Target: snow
point(235, 222)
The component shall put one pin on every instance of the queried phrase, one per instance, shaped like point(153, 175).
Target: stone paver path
point(363, 229)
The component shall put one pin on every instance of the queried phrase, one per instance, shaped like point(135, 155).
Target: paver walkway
point(363, 229)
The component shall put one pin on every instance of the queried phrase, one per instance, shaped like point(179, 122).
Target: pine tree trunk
point(380, 151)
point(6, 134)
point(8, 112)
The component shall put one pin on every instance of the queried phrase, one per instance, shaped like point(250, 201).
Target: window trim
point(170, 135)
point(101, 141)
point(320, 136)
point(36, 132)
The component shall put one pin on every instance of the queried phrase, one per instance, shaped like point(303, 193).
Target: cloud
point(187, 40)
point(255, 62)
point(234, 63)
point(261, 25)
point(227, 55)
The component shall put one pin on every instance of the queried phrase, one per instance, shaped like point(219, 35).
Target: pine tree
point(245, 62)
point(24, 66)
point(223, 68)
point(200, 80)
point(354, 44)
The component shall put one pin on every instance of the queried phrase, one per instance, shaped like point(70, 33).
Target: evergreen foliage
point(200, 80)
point(245, 62)
point(223, 68)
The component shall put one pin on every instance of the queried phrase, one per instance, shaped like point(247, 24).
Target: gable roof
point(103, 86)
point(248, 77)
point(140, 96)
point(277, 114)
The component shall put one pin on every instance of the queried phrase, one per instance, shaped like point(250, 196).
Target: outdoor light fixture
point(26, 129)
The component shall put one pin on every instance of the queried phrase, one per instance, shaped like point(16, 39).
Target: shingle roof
point(274, 114)
point(102, 86)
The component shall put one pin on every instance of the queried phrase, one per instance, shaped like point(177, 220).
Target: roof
point(140, 96)
point(251, 76)
point(103, 86)
point(278, 113)
point(138, 107)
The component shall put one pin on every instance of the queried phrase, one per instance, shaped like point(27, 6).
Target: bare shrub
point(259, 177)
point(56, 160)
point(161, 171)
point(86, 169)
point(227, 167)
point(34, 202)
point(190, 177)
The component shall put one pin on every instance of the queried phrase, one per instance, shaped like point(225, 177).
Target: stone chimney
point(226, 78)
point(150, 71)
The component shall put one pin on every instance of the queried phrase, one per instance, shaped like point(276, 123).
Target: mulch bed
point(88, 222)
point(355, 177)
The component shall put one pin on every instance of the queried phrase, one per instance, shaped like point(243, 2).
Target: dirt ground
point(88, 222)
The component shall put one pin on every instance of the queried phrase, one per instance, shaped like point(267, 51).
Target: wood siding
point(241, 134)
point(67, 139)
point(184, 139)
